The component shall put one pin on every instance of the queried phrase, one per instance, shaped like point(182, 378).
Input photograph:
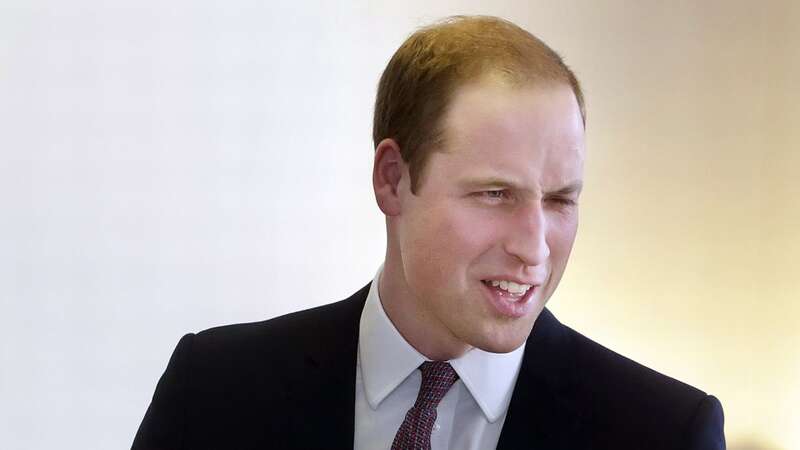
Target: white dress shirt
point(469, 417)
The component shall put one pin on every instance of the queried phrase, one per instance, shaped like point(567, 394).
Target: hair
point(420, 80)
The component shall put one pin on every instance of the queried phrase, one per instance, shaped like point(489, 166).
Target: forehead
point(532, 133)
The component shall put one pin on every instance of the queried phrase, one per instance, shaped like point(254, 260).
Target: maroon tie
point(415, 432)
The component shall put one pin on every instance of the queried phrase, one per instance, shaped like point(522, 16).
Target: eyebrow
point(490, 182)
point(497, 182)
point(571, 188)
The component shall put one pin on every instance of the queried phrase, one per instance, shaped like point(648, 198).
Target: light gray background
point(168, 166)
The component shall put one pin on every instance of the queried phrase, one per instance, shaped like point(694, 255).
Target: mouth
point(510, 299)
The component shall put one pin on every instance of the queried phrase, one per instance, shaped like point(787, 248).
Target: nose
point(527, 236)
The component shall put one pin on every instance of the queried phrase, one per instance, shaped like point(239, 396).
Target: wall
point(170, 166)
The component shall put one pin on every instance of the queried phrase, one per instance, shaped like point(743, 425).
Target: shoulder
point(213, 392)
point(598, 370)
point(622, 376)
point(293, 333)
point(629, 402)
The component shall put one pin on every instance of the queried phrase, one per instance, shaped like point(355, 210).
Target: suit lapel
point(322, 390)
point(544, 411)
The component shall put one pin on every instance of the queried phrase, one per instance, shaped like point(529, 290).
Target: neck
point(413, 320)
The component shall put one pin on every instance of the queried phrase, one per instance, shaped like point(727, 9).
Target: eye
point(562, 201)
point(498, 194)
point(494, 196)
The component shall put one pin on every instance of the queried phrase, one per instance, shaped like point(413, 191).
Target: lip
point(512, 307)
point(514, 279)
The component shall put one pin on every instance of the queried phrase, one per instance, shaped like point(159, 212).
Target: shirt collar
point(387, 359)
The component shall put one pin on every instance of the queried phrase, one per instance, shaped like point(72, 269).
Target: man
point(479, 151)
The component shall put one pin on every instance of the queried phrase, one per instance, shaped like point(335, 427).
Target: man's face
point(497, 206)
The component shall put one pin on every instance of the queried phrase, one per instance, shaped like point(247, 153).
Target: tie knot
point(437, 378)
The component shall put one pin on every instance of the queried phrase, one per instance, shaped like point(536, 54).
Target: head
point(424, 74)
point(479, 134)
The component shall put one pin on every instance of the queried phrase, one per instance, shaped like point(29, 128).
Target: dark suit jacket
point(289, 383)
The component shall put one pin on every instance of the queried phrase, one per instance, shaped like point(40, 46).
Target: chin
point(507, 344)
point(506, 336)
point(502, 348)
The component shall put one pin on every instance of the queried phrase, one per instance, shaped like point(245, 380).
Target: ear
point(387, 172)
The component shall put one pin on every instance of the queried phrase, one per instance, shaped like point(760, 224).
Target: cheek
point(445, 241)
point(468, 233)
point(561, 236)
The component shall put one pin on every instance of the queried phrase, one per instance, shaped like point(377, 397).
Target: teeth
point(510, 286)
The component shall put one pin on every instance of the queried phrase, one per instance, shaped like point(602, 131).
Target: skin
point(498, 201)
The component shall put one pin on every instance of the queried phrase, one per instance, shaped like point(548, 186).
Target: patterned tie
point(415, 432)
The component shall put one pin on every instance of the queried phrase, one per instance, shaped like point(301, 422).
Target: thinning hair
point(420, 80)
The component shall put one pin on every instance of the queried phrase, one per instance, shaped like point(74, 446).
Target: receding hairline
point(440, 143)
point(518, 57)
point(492, 80)
point(417, 88)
